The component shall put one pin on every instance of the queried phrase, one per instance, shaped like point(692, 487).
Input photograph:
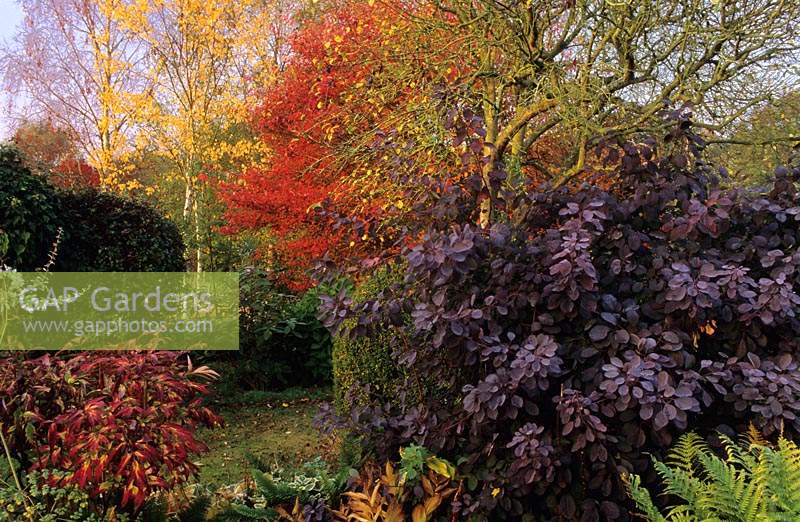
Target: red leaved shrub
point(121, 425)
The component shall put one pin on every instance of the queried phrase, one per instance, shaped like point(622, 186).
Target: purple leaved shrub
point(585, 329)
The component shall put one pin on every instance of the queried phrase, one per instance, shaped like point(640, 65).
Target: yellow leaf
point(432, 504)
point(441, 466)
point(394, 513)
point(427, 486)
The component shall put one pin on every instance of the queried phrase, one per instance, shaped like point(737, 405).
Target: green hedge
point(28, 215)
point(281, 342)
point(101, 232)
point(104, 232)
point(366, 360)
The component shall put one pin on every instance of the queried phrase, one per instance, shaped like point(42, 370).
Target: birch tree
point(74, 63)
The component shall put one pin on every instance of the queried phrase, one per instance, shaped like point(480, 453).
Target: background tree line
point(241, 119)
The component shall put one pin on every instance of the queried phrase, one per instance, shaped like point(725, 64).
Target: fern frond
point(737, 454)
point(273, 493)
point(256, 462)
point(253, 513)
point(728, 488)
point(684, 514)
point(641, 498)
point(685, 451)
point(196, 510)
point(780, 470)
point(754, 437)
point(754, 482)
point(680, 482)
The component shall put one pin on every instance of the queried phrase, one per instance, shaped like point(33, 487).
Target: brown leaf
point(419, 514)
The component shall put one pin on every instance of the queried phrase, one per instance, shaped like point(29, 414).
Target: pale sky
point(10, 17)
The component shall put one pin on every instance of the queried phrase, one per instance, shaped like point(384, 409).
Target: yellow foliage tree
point(205, 62)
point(73, 63)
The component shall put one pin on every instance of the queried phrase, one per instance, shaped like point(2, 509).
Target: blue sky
point(10, 17)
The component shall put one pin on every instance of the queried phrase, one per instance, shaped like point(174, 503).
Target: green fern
point(685, 452)
point(753, 482)
point(256, 462)
point(196, 510)
point(642, 498)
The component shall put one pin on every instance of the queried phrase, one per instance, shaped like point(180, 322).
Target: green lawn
point(272, 426)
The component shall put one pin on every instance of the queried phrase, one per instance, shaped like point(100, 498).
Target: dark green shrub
point(28, 224)
point(107, 233)
point(364, 365)
point(282, 341)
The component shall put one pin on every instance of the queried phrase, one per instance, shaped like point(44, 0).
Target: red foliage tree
point(302, 119)
point(73, 173)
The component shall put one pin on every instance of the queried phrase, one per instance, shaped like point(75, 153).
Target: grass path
point(272, 426)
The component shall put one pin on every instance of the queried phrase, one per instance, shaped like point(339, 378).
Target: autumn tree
point(205, 61)
point(43, 145)
point(550, 79)
point(311, 119)
point(592, 69)
point(544, 81)
point(73, 63)
point(54, 153)
point(761, 141)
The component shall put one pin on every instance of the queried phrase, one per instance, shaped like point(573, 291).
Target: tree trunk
point(490, 154)
point(197, 237)
point(191, 220)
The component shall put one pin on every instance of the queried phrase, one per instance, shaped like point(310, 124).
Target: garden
point(496, 261)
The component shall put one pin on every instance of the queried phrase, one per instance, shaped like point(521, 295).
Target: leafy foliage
point(194, 509)
point(759, 141)
point(754, 481)
point(554, 349)
point(308, 489)
point(547, 82)
point(28, 216)
point(74, 174)
point(313, 111)
point(39, 501)
point(108, 233)
point(363, 365)
point(282, 342)
point(120, 426)
point(51, 151)
point(391, 496)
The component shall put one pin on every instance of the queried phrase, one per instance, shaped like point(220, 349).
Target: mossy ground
point(275, 427)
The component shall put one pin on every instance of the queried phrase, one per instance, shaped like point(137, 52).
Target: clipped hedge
point(107, 233)
point(28, 220)
point(359, 362)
